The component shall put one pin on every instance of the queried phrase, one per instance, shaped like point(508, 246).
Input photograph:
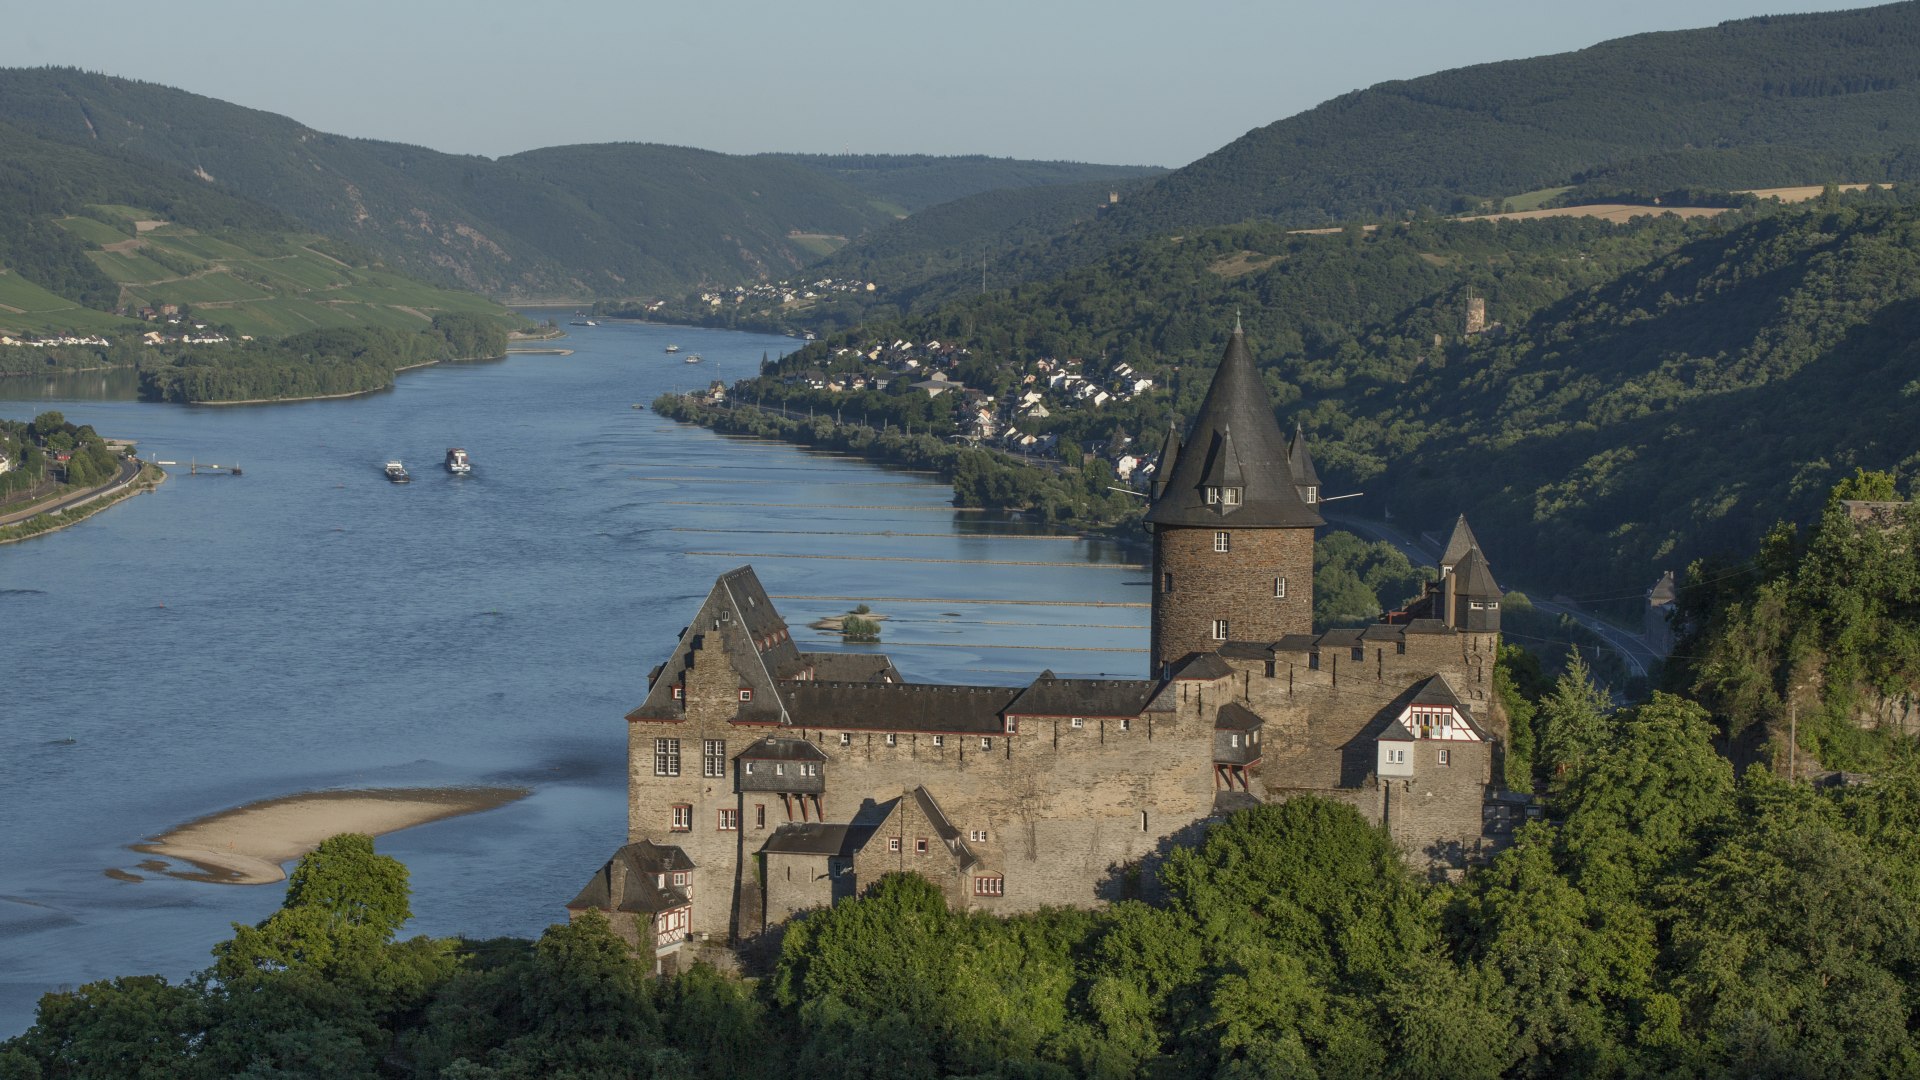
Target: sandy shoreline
point(247, 845)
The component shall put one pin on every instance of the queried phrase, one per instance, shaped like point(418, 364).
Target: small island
point(862, 624)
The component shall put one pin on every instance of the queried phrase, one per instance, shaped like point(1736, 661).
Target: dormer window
point(1312, 494)
point(1230, 496)
point(1213, 496)
point(746, 695)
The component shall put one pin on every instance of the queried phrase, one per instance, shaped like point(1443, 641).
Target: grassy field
point(260, 284)
point(28, 308)
point(1533, 200)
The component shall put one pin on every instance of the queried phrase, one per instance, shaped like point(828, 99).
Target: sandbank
point(247, 845)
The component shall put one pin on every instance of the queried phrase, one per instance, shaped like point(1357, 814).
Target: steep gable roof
point(1472, 577)
point(1234, 436)
point(630, 881)
point(1299, 462)
point(736, 619)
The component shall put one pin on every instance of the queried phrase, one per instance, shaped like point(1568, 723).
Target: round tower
point(1232, 521)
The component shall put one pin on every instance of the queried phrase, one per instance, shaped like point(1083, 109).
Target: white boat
point(397, 473)
point(673, 348)
point(457, 461)
point(692, 358)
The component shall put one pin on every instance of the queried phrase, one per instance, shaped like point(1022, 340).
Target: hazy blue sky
point(1126, 81)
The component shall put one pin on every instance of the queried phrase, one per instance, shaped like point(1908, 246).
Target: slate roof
point(1246, 650)
point(848, 667)
point(775, 748)
point(1051, 696)
point(965, 710)
point(629, 881)
point(1435, 691)
point(1472, 577)
point(949, 835)
point(1234, 716)
point(736, 617)
point(1461, 542)
point(1201, 667)
point(809, 838)
point(1228, 802)
point(1396, 732)
point(1234, 437)
point(1300, 462)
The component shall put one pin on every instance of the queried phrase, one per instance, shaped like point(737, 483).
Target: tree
point(1572, 723)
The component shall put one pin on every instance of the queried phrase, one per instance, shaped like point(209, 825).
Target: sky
point(1121, 82)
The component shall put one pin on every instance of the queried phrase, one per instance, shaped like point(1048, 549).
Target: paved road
point(129, 469)
point(1632, 648)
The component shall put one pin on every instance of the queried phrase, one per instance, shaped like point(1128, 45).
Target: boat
point(458, 462)
point(673, 348)
point(692, 358)
point(397, 473)
point(581, 322)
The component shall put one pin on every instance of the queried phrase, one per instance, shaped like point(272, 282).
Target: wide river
point(308, 625)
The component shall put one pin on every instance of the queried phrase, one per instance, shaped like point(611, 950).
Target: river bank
point(980, 478)
point(149, 477)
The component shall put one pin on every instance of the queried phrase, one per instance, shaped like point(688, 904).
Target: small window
point(1126, 725)
point(846, 739)
point(1013, 725)
point(1493, 605)
point(680, 877)
point(682, 818)
point(1166, 582)
point(1313, 494)
point(666, 757)
point(939, 741)
point(892, 739)
point(1279, 588)
point(1231, 496)
point(1143, 821)
point(986, 742)
point(989, 886)
point(1213, 496)
point(779, 768)
point(1477, 605)
point(729, 822)
point(1077, 723)
point(978, 836)
point(746, 695)
point(1359, 652)
point(679, 693)
point(759, 815)
point(893, 843)
point(1220, 629)
point(1446, 757)
point(1222, 542)
point(1233, 740)
point(713, 757)
point(1396, 757)
point(920, 846)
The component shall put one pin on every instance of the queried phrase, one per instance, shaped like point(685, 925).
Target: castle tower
point(1232, 522)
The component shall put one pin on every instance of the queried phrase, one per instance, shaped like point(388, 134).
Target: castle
point(764, 780)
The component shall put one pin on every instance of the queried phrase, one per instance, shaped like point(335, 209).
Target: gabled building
point(646, 892)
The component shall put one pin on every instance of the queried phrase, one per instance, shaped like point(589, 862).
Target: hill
point(1752, 103)
point(1660, 389)
point(86, 234)
point(614, 219)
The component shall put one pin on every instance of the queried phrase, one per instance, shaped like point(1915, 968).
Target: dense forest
point(316, 363)
point(915, 182)
point(32, 448)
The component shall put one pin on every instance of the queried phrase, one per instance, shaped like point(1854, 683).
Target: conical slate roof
point(1234, 436)
point(1461, 542)
point(1301, 462)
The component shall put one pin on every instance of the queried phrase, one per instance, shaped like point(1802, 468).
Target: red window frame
point(729, 819)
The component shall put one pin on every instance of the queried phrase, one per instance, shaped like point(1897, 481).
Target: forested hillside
point(1792, 99)
point(1657, 391)
point(612, 219)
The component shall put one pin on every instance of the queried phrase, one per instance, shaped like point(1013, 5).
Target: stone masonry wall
point(1236, 585)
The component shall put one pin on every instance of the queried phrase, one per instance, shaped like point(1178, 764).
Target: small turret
point(1306, 479)
point(1461, 542)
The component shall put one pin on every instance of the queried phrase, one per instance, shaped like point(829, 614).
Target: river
point(308, 625)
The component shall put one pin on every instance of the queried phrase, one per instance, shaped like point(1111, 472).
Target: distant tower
point(1476, 314)
point(1232, 522)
